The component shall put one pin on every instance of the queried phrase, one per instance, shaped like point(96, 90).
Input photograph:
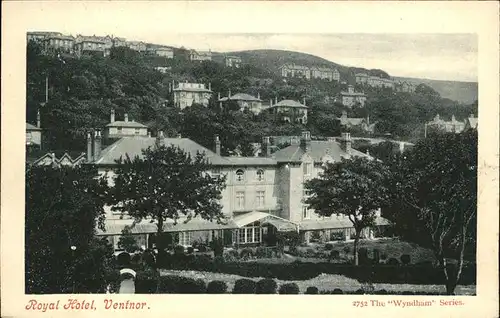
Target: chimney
point(126, 117)
point(209, 86)
point(271, 102)
point(258, 95)
point(305, 141)
point(229, 94)
point(170, 87)
point(89, 148)
point(217, 145)
point(304, 101)
point(276, 100)
point(112, 120)
point(266, 146)
point(38, 121)
point(345, 142)
point(218, 96)
point(159, 138)
point(97, 145)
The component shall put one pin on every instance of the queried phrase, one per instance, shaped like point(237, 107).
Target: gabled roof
point(241, 96)
point(129, 124)
point(32, 127)
point(289, 103)
point(318, 150)
point(133, 146)
point(251, 161)
point(472, 122)
point(351, 121)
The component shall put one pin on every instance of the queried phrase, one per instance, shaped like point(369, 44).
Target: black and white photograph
point(285, 163)
point(197, 165)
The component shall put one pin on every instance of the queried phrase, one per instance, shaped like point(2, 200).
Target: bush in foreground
point(312, 290)
point(289, 288)
point(216, 287)
point(244, 286)
point(266, 286)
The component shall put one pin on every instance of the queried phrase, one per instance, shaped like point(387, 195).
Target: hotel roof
point(318, 150)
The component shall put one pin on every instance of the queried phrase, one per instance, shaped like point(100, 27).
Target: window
point(249, 234)
point(305, 213)
point(260, 199)
point(240, 200)
point(119, 130)
point(307, 168)
point(260, 175)
point(185, 238)
point(215, 173)
point(240, 175)
point(137, 131)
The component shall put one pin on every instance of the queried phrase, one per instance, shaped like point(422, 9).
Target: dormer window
point(260, 175)
point(240, 175)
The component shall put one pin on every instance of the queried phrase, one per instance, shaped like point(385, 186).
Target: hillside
point(464, 92)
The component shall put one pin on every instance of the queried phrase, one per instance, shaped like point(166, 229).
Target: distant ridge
point(463, 92)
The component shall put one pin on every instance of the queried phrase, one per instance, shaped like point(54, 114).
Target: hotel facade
point(263, 195)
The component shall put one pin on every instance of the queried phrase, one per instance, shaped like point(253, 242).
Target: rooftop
point(289, 103)
point(129, 124)
point(318, 150)
point(32, 127)
point(241, 96)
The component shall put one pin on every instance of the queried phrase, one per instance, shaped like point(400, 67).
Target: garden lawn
point(324, 282)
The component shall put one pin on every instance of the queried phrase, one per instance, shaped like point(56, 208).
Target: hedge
point(312, 290)
point(244, 286)
point(266, 286)
point(217, 287)
point(289, 288)
point(424, 274)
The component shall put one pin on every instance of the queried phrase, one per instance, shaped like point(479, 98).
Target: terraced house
point(263, 196)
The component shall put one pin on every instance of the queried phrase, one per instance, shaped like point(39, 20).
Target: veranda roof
point(265, 218)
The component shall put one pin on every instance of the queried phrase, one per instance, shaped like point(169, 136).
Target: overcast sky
point(433, 56)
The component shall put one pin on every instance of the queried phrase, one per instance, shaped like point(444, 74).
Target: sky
point(432, 56)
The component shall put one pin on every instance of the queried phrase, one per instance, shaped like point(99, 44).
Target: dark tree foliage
point(166, 183)
point(63, 208)
point(435, 199)
point(355, 188)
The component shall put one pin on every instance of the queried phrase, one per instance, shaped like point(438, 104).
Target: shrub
point(182, 285)
point(190, 250)
point(381, 292)
point(244, 286)
point(218, 246)
point(123, 259)
point(231, 255)
point(261, 252)
point(334, 254)
point(346, 249)
point(328, 246)
point(246, 253)
point(337, 291)
point(216, 287)
point(146, 281)
point(383, 256)
point(310, 252)
point(289, 288)
point(200, 287)
point(315, 236)
point(392, 261)
point(359, 292)
point(202, 248)
point(266, 286)
point(179, 250)
point(312, 290)
point(405, 259)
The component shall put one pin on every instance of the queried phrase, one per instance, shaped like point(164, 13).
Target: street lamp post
point(73, 249)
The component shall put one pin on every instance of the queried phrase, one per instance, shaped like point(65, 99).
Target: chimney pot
point(112, 119)
point(305, 141)
point(217, 145)
point(126, 117)
point(266, 145)
point(38, 120)
point(97, 145)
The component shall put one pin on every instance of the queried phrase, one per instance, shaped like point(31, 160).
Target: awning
point(115, 227)
point(265, 218)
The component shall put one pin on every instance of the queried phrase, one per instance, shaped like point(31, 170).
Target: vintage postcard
point(180, 158)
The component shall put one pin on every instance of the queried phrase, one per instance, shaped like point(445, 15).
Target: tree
point(353, 187)
point(166, 183)
point(435, 200)
point(63, 209)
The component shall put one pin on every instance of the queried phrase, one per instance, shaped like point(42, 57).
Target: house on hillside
point(138, 46)
point(363, 124)
point(361, 78)
point(405, 86)
point(263, 195)
point(293, 70)
point(290, 111)
point(331, 74)
point(58, 43)
point(125, 128)
point(90, 46)
point(245, 101)
point(160, 50)
point(232, 61)
point(471, 122)
point(351, 98)
point(187, 94)
point(119, 42)
point(34, 134)
point(39, 36)
point(200, 55)
point(438, 124)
